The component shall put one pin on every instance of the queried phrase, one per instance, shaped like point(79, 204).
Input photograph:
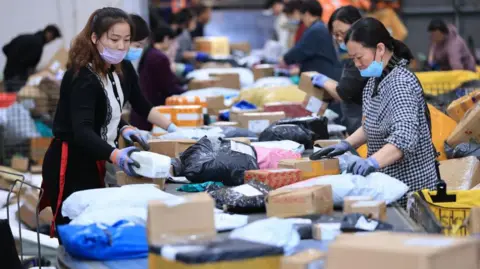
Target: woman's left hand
point(132, 134)
point(363, 167)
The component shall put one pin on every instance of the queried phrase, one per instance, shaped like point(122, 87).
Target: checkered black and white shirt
point(394, 111)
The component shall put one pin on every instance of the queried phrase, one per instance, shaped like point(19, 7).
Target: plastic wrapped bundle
point(215, 159)
point(318, 125)
point(246, 198)
point(291, 132)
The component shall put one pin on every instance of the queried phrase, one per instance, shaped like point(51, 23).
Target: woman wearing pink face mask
point(88, 120)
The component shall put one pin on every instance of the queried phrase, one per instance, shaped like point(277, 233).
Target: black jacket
point(82, 109)
point(351, 84)
point(23, 54)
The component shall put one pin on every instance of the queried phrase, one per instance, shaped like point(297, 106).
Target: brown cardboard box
point(259, 121)
point(275, 178)
point(228, 80)
point(38, 148)
point(400, 251)
point(307, 86)
point(311, 169)
point(326, 231)
point(327, 143)
point(461, 174)
point(350, 200)
point(303, 260)
point(58, 61)
point(372, 209)
point(36, 169)
point(197, 84)
point(225, 124)
point(263, 71)
point(215, 104)
point(468, 129)
point(241, 46)
point(300, 202)
point(28, 210)
point(234, 114)
point(168, 222)
point(214, 46)
point(170, 148)
point(474, 221)
point(315, 105)
point(124, 179)
point(20, 163)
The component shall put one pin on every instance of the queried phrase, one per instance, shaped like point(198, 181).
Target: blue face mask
point(134, 54)
point(342, 46)
point(374, 70)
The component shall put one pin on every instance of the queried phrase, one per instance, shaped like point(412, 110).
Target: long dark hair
point(345, 14)
point(369, 32)
point(83, 51)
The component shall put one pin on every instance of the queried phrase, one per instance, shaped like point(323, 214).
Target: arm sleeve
point(454, 51)
point(303, 49)
point(403, 131)
point(137, 99)
point(82, 108)
point(351, 84)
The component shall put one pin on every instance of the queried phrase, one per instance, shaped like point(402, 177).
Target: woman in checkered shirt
point(396, 125)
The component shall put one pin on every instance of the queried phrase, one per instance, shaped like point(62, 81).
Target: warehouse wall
point(27, 16)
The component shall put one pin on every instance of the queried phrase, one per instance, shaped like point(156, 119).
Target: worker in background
point(88, 120)
point(384, 11)
point(315, 50)
point(294, 19)
point(157, 81)
point(139, 41)
point(448, 50)
point(185, 51)
point(203, 14)
point(349, 88)
point(23, 54)
point(396, 123)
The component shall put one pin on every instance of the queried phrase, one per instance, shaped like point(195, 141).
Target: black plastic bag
point(177, 167)
point(231, 132)
point(357, 222)
point(8, 250)
point(247, 198)
point(462, 150)
point(318, 125)
point(288, 132)
point(216, 159)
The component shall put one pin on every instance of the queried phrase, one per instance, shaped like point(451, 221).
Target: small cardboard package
point(300, 202)
point(215, 104)
point(457, 109)
point(183, 116)
point(311, 169)
point(461, 174)
point(214, 46)
point(326, 143)
point(468, 129)
point(197, 84)
point(263, 71)
point(58, 63)
point(169, 222)
point(350, 200)
point(20, 164)
point(274, 178)
point(399, 251)
point(314, 105)
point(310, 258)
point(124, 179)
point(228, 80)
point(307, 86)
point(291, 109)
point(372, 209)
point(170, 148)
point(28, 210)
point(326, 231)
point(38, 148)
point(234, 114)
point(258, 122)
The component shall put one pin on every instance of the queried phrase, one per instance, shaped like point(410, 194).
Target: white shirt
point(116, 109)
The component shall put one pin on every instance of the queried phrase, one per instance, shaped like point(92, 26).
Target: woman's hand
point(332, 151)
point(121, 157)
point(363, 167)
point(132, 134)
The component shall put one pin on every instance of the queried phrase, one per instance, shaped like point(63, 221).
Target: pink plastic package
point(268, 158)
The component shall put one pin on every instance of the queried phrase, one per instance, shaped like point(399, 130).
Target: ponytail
point(401, 50)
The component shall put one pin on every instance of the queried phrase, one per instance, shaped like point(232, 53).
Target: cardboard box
point(183, 116)
point(214, 46)
point(307, 86)
point(274, 178)
point(36, 169)
point(192, 215)
point(300, 202)
point(38, 148)
point(326, 143)
point(215, 104)
point(468, 129)
point(457, 109)
point(400, 251)
point(28, 210)
point(20, 164)
point(58, 63)
point(350, 200)
point(225, 124)
point(263, 71)
point(314, 105)
point(234, 114)
point(170, 148)
point(124, 179)
point(311, 169)
point(197, 84)
point(310, 258)
point(241, 46)
point(258, 122)
point(461, 174)
point(291, 109)
point(228, 80)
point(326, 231)
point(372, 209)
point(474, 221)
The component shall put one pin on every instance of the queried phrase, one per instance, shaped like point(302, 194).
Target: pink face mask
point(112, 56)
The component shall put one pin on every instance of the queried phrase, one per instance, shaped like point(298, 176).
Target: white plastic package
point(272, 231)
point(246, 75)
point(272, 82)
point(284, 144)
point(152, 165)
point(336, 129)
point(377, 185)
point(110, 216)
point(330, 115)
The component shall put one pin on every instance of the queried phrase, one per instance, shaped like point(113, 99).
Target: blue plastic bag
point(123, 240)
point(244, 105)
